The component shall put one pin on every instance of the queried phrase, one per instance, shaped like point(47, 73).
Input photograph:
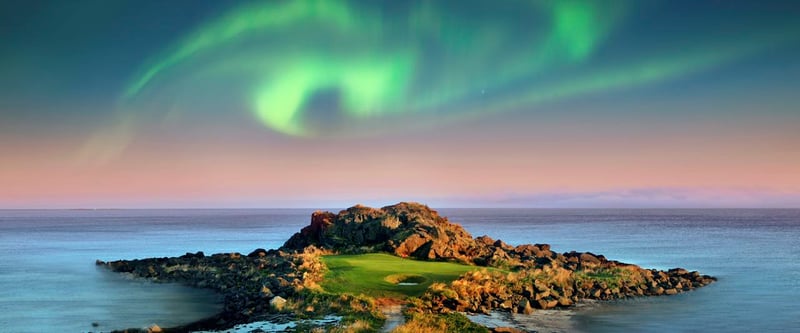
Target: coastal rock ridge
point(284, 283)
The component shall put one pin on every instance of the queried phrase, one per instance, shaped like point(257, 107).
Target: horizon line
point(433, 207)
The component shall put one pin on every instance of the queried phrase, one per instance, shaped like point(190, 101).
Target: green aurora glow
point(430, 59)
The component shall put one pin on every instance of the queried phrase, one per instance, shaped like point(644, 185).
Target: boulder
point(266, 292)
point(524, 307)
point(313, 233)
point(485, 240)
point(277, 303)
point(547, 303)
point(257, 253)
point(588, 259)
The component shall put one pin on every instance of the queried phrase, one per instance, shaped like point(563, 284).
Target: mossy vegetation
point(611, 277)
point(359, 313)
point(380, 274)
point(445, 323)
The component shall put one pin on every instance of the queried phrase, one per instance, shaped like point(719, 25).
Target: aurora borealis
point(429, 58)
point(373, 61)
point(458, 102)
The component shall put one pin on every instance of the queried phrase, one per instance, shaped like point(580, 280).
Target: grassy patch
point(358, 311)
point(377, 274)
point(445, 323)
point(612, 277)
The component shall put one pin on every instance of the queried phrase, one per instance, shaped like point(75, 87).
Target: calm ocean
point(49, 283)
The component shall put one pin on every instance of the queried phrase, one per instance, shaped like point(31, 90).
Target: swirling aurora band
point(424, 58)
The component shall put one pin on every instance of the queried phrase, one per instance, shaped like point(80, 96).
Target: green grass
point(444, 323)
point(613, 277)
point(370, 274)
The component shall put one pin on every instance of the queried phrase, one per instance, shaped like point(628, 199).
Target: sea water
point(49, 283)
point(754, 253)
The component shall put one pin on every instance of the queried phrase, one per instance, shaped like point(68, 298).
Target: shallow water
point(754, 253)
point(551, 321)
point(48, 281)
point(267, 326)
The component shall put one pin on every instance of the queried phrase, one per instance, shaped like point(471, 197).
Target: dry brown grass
point(354, 327)
point(422, 323)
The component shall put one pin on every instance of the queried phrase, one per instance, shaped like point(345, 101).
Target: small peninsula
point(354, 265)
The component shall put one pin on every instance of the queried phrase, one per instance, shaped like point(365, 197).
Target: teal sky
point(455, 103)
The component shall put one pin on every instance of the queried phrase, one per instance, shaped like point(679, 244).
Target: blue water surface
point(49, 283)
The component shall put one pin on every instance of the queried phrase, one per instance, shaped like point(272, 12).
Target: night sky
point(324, 103)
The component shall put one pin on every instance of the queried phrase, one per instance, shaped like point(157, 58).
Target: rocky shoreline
point(254, 286)
point(283, 284)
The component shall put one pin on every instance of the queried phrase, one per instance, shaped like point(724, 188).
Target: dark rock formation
point(517, 278)
point(405, 229)
point(254, 287)
point(525, 277)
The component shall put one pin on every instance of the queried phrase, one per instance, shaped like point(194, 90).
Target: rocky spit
point(282, 284)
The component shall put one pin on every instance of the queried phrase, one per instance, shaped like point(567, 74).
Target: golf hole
point(405, 279)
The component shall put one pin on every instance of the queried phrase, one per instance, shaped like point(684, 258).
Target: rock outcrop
point(405, 229)
point(517, 279)
point(520, 278)
point(253, 286)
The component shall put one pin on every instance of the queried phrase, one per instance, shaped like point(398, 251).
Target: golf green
point(385, 275)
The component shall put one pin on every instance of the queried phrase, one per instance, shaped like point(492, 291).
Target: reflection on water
point(556, 321)
point(287, 326)
point(49, 281)
point(163, 304)
point(96, 299)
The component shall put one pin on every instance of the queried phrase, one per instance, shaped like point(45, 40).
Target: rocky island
point(361, 261)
